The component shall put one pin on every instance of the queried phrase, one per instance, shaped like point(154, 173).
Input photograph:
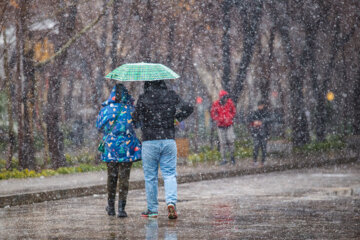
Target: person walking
point(223, 112)
point(122, 147)
point(259, 126)
point(156, 111)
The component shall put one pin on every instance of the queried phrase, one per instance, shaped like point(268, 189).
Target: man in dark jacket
point(259, 122)
point(223, 112)
point(156, 112)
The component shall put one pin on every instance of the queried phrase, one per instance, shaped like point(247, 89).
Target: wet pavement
point(319, 203)
point(31, 190)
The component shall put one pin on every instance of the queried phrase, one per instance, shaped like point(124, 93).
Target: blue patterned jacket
point(121, 144)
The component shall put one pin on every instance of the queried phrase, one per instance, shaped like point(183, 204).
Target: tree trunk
point(320, 114)
point(170, 43)
point(99, 82)
point(356, 101)
point(54, 133)
point(145, 47)
point(266, 63)
point(319, 126)
point(251, 18)
point(68, 99)
point(226, 57)
point(115, 35)
point(19, 90)
point(42, 119)
point(339, 40)
point(29, 90)
point(11, 133)
point(299, 124)
point(29, 103)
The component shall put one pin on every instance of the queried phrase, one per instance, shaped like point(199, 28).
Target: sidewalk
point(31, 190)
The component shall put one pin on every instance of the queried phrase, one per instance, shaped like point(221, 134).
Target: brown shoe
point(172, 211)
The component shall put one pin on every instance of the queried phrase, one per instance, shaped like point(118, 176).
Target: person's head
point(152, 85)
point(261, 105)
point(122, 94)
point(223, 93)
point(223, 96)
point(119, 91)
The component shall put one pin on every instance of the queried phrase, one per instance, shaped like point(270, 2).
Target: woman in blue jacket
point(122, 147)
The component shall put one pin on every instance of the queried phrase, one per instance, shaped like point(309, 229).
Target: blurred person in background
point(259, 121)
point(223, 112)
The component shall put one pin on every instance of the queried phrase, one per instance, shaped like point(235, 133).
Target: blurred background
point(301, 57)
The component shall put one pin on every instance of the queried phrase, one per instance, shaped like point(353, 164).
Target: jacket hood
point(125, 96)
point(223, 93)
point(154, 85)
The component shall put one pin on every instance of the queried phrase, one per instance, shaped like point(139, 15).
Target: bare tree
point(146, 22)
point(251, 14)
point(115, 34)
point(226, 61)
point(11, 133)
point(299, 124)
point(356, 101)
point(54, 133)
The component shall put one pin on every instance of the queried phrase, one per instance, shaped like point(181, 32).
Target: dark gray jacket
point(157, 109)
point(264, 116)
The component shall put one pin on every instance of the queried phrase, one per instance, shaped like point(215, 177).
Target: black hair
point(119, 89)
point(261, 102)
point(151, 85)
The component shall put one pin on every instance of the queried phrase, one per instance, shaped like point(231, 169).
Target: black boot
point(110, 209)
point(121, 209)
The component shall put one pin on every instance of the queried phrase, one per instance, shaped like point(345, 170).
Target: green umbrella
point(142, 72)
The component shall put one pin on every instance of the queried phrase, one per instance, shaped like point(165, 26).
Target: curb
point(36, 197)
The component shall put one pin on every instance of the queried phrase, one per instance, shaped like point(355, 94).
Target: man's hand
point(257, 123)
point(176, 122)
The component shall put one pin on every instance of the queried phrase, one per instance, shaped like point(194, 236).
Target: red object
point(199, 100)
point(223, 114)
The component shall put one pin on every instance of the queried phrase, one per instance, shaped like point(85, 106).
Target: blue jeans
point(163, 153)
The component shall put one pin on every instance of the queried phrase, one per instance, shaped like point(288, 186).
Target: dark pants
point(260, 142)
point(117, 171)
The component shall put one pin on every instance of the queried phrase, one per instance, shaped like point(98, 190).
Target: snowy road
point(322, 203)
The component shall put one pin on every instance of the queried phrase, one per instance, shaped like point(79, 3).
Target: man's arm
point(214, 112)
point(185, 110)
point(137, 116)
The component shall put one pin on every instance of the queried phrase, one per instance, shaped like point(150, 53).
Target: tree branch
point(74, 38)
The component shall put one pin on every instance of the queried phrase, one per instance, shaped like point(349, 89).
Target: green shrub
point(194, 158)
point(48, 172)
point(243, 152)
point(66, 170)
point(137, 164)
point(69, 160)
point(6, 174)
point(2, 163)
point(207, 155)
point(84, 157)
point(243, 149)
point(38, 141)
point(14, 163)
point(18, 174)
point(332, 142)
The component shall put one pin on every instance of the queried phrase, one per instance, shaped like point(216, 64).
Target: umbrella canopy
point(142, 72)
